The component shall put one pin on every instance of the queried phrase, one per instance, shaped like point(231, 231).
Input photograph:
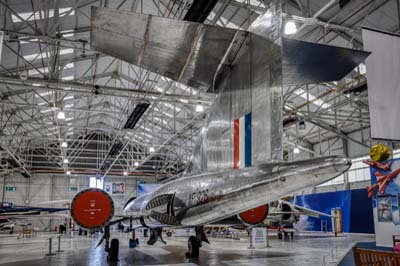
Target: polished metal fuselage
point(232, 192)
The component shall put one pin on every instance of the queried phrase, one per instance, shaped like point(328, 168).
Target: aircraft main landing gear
point(193, 247)
point(111, 248)
point(195, 243)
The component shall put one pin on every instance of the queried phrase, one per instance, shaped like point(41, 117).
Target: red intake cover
point(254, 216)
point(92, 208)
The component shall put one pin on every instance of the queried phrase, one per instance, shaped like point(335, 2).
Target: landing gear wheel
point(114, 250)
point(193, 247)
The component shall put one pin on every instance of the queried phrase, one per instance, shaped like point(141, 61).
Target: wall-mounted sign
point(115, 188)
point(145, 188)
point(11, 188)
point(73, 189)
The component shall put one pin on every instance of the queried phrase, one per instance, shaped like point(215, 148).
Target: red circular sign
point(254, 216)
point(92, 208)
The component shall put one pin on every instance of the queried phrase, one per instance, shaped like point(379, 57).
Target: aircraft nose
point(341, 164)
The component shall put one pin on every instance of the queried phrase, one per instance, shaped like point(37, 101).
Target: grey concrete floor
point(80, 250)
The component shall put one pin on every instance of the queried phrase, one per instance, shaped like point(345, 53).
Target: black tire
point(193, 247)
point(114, 250)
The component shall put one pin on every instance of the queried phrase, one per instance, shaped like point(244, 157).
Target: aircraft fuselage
point(201, 199)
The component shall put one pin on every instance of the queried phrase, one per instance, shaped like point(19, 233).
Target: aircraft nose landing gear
point(114, 250)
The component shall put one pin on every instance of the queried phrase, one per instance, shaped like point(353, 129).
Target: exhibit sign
point(385, 193)
point(259, 237)
point(11, 188)
point(115, 188)
point(72, 189)
point(383, 67)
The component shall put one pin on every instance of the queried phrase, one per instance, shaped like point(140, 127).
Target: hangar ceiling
point(47, 67)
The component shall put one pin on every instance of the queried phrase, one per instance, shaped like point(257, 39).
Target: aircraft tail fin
point(246, 69)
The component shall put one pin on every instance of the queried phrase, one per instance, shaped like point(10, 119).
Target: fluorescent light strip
point(43, 94)
point(46, 110)
point(36, 72)
point(68, 78)
point(172, 106)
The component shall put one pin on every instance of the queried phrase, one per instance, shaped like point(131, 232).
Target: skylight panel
point(45, 54)
point(29, 16)
point(312, 98)
point(161, 120)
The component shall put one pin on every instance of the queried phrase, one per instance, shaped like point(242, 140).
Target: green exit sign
point(11, 188)
point(72, 188)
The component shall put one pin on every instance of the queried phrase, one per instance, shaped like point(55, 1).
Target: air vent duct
point(136, 114)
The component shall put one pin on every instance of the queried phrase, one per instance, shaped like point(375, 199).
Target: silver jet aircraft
point(237, 166)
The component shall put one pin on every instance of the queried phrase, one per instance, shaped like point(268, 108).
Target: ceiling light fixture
point(64, 144)
point(125, 173)
point(151, 149)
point(136, 163)
point(199, 108)
point(68, 172)
point(296, 150)
point(65, 160)
point(61, 115)
point(290, 27)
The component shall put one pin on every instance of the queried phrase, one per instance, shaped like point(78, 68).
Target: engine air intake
point(92, 208)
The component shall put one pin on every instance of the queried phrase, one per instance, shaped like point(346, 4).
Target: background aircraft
point(279, 214)
point(6, 224)
point(9, 209)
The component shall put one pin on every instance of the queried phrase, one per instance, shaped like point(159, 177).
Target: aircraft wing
point(192, 53)
point(40, 215)
point(63, 201)
point(27, 212)
point(280, 213)
point(310, 212)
